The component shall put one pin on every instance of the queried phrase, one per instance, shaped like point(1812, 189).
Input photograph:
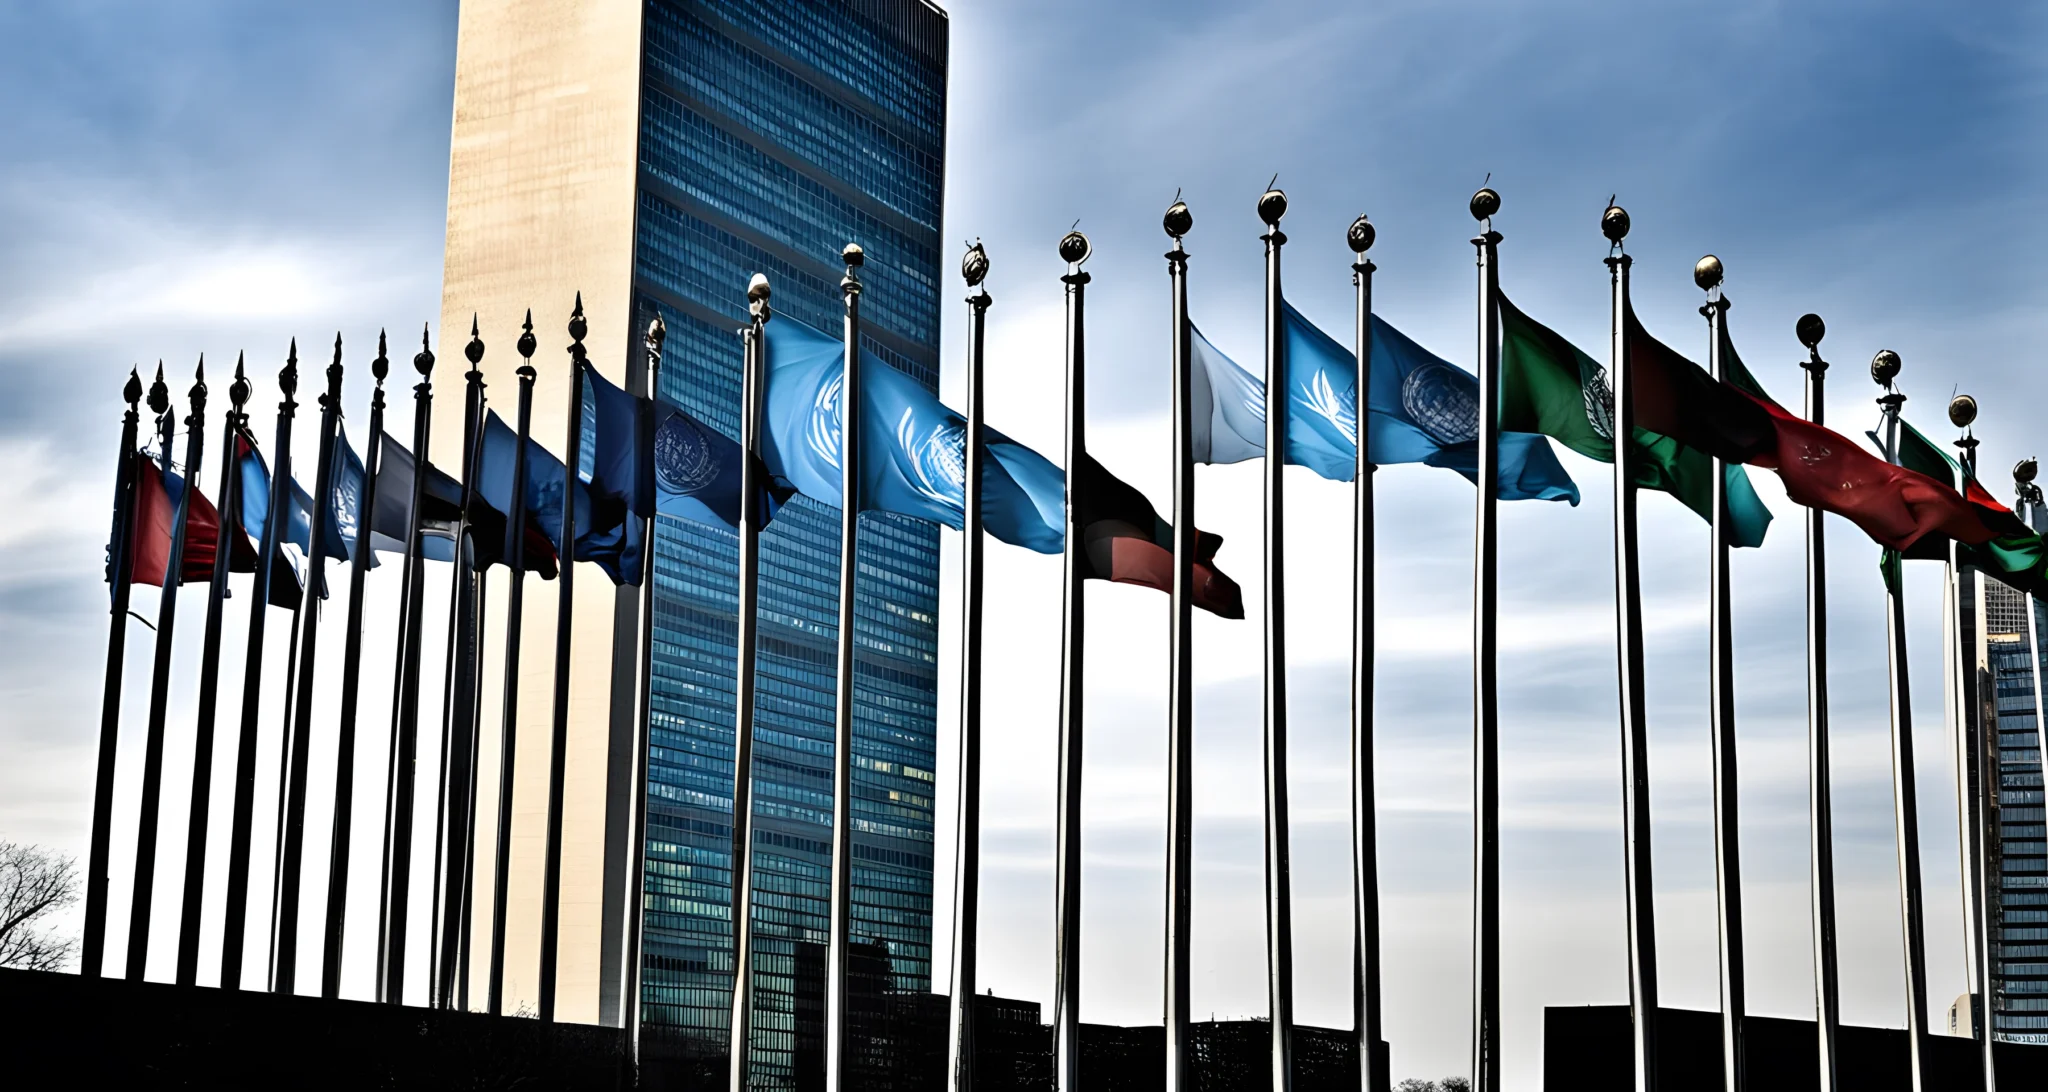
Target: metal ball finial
point(1811, 329)
point(1075, 248)
point(757, 290)
point(1884, 367)
point(2025, 470)
point(578, 326)
point(974, 265)
point(238, 391)
point(1485, 203)
point(1178, 220)
point(1272, 206)
point(423, 361)
point(853, 255)
point(380, 367)
point(474, 351)
point(1614, 223)
point(657, 332)
point(1360, 235)
point(1962, 410)
point(1707, 273)
point(131, 392)
point(527, 343)
point(159, 392)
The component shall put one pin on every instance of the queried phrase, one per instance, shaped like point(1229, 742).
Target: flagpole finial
point(198, 391)
point(578, 326)
point(334, 374)
point(2025, 471)
point(238, 391)
point(1361, 235)
point(1707, 273)
point(1075, 248)
point(1614, 223)
point(1272, 206)
point(527, 342)
point(159, 393)
point(853, 256)
point(380, 367)
point(1485, 203)
point(1962, 411)
point(1811, 329)
point(758, 295)
point(974, 265)
point(657, 333)
point(131, 392)
point(288, 376)
point(423, 361)
point(1178, 220)
point(1884, 367)
point(474, 351)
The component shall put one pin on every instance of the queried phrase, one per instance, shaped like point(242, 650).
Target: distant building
point(2017, 853)
point(654, 155)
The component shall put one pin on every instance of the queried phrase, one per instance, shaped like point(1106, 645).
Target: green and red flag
point(1549, 386)
point(2005, 548)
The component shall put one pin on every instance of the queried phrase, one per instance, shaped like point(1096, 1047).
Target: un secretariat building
point(655, 154)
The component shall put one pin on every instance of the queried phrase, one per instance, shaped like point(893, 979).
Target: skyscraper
point(654, 154)
point(2018, 856)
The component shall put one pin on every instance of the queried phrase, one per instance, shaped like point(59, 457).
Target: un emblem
point(938, 461)
point(1599, 395)
point(682, 456)
point(1443, 402)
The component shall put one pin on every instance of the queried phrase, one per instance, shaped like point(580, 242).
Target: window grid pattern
point(2019, 996)
point(701, 183)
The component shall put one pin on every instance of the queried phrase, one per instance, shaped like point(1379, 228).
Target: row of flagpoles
point(812, 406)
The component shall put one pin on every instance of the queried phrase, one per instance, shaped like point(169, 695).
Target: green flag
point(2016, 557)
point(1549, 386)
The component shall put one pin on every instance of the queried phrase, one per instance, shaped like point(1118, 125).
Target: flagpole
point(565, 618)
point(838, 1056)
point(1827, 998)
point(1635, 735)
point(967, 858)
point(1373, 1067)
point(351, 669)
point(1884, 369)
point(1973, 771)
point(1180, 742)
point(745, 701)
point(508, 748)
point(160, 684)
point(302, 706)
point(1279, 885)
point(236, 913)
point(636, 900)
point(284, 780)
point(460, 725)
point(120, 553)
point(1708, 275)
point(228, 512)
point(400, 787)
point(1486, 1071)
point(1074, 249)
point(465, 911)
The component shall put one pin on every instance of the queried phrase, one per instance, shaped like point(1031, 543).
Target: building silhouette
point(654, 155)
point(2017, 855)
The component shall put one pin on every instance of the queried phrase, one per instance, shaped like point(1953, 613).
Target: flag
point(1424, 410)
point(1989, 537)
point(1126, 542)
point(915, 447)
point(440, 505)
point(344, 510)
point(253, 496)
point(1550, 387)
point(157, 493)
point(497, 456)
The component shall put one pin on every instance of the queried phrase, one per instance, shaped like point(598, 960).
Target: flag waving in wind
point(1424, 410)
point(915, 447)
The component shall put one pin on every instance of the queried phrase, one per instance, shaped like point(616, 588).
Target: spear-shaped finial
point(238, 391)
point(131, 392)
point(334, 374)
point(577, 326)
point(474, 351)
point(423, 361)
point(381, 366)
point(288, 377)
point(159, 393)
point(527, 344)
point(198, 392)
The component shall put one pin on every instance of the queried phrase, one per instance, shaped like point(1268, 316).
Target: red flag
point(156, 512)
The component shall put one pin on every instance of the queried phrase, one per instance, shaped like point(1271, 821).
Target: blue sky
point(220, 177)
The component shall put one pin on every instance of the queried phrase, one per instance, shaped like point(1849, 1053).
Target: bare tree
point(34, 883)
